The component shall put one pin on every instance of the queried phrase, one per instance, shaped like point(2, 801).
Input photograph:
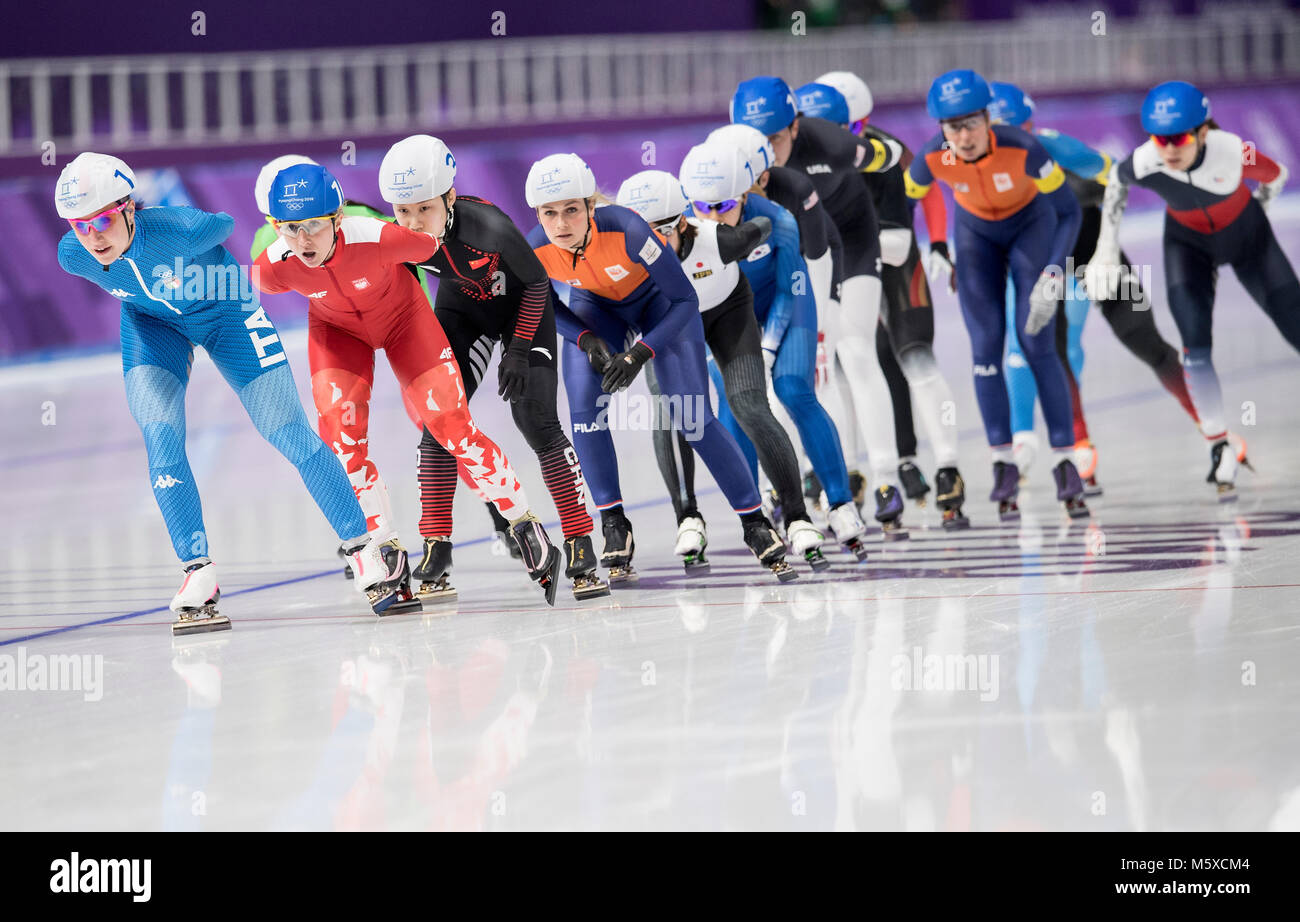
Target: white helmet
point(416, 169)
point(655, 195)
point(714, 172)
point(262, 188)
point(91, 183)
point(853, 89)
point(757, 148)
point(558, 178)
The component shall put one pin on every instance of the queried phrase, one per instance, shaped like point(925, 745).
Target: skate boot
point(619, 547)
point(195, 603)
point(1223, 470)
point(858, 487)
point(1006, 488)
point(540, 558)
point(889, 513)
point(848, 528)
point(1024, 451)
point(1069, 489)
point(347, 567)
point(806, 541)
point(502, 543)
point(773, 509)
point(767, 546)
point(433, 572)
point(812, 490)
point(580, 566)
point(692, 539)
point(384, 575)
point(1085, 460)
point(950, 494)
point(913, 481)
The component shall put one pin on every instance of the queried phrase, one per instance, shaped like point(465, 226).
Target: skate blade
point(1078, 510)
point(623, 576)
point(784, 572)
point(401, 607)
point(817, 561)
point(436, 593)
point(1094, 490)
point(858, 550)
point(596, 590)
point(182, 628)
point(697, 567)
point(895, 534)
point(1227, 496)
point(956, 523)
point(550, 579)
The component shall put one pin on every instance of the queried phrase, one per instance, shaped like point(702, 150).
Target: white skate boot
point(382, 572)
point(195, 602)
point(1024, 449)
point(849, 529)
point(806, 542)
point(692, 539)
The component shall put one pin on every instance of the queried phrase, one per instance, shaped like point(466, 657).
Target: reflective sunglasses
point(100, 222)
point(719, 207)
point(1182, 139)
point(667, 227)
point(857, 126)
point(310, 225)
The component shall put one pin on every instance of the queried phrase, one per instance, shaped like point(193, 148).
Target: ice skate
point(950, 494)
point(1024, 451)
point(580, 566)
point(858, 488)
point(1085, 460)
point(619, 547)
point(1069, 489)
point(347, 567)
point(383, 573)
point(540, 557)
point(692, 539)
point(913, 481)
point(433, 573)
point(195, 603)
point(773, 509)
point(806, 542)
point(1006, 488)
point(889, 513)
point(849, 529)
point(768, 547)
point(1223, 470)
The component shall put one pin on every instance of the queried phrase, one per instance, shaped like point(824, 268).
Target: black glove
point(512, 374)
point(598, 351)
point(625, 367)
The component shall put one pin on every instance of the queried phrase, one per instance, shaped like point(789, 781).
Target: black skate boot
point(858, 488)
point(347, 566)
point(812, 490)
point(767, 546)
point(950, 494)
point(913, 481)
point(539, 556)
point(392, 595)
point(1006, 488)
point(889, 513)
point(433, 573)
point(617, 557)
point(1069, 489)
point(502, 543)
point(580, 566)
point(1223, 470)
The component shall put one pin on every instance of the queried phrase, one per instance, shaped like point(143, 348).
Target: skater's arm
point(643, 247)
point(519, 258)
point(1112, 208)
point(1073, 155)
point(735, 243)
point(567, 324)
point(398, 244)
point(204, 230)
point(935, 210)
point(264, 272)
point(918, 178)
point(1270, 175)
point(791, 277)
point(1049, 178)
point(812, 225)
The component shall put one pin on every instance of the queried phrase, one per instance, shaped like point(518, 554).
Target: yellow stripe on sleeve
point(1105, 170)
point(914, 189)
point(1052, 181)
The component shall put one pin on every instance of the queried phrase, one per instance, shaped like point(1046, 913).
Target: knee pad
point(918, 364)
point(895, 244)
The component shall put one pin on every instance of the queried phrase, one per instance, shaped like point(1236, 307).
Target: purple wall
point(42, 309)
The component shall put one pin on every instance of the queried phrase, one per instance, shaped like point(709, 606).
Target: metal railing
point(124, 103)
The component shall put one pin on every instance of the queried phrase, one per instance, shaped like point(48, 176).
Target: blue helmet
point(822, 101)
point(304, 191)
point(1174, 107)
point(957, 93)
point(766, 103)
point(1011, 105)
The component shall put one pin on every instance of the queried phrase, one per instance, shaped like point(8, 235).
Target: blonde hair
point(600, 198)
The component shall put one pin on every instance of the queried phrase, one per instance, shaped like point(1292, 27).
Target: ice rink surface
point(1137, 671)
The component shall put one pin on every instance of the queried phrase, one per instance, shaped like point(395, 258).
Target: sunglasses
point(970, 123)
point(310, 225)
point(667, 227)
point(100, 222)
point(719, 207)
point(857, 126)
point(1174, 140)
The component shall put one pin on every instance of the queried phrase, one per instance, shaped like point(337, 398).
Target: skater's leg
point(981, 290)
point(588, 410)
point(1069, 327)
point(859, 314)
point(1267, 275)
point(727, 414)
point(792, 378)
point(156, 359)
point(673, 453)
point(900, 395)
point(1021, 389)
point(1191, 279)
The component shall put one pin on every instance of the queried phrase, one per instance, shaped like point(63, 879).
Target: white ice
point(1135, 672)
